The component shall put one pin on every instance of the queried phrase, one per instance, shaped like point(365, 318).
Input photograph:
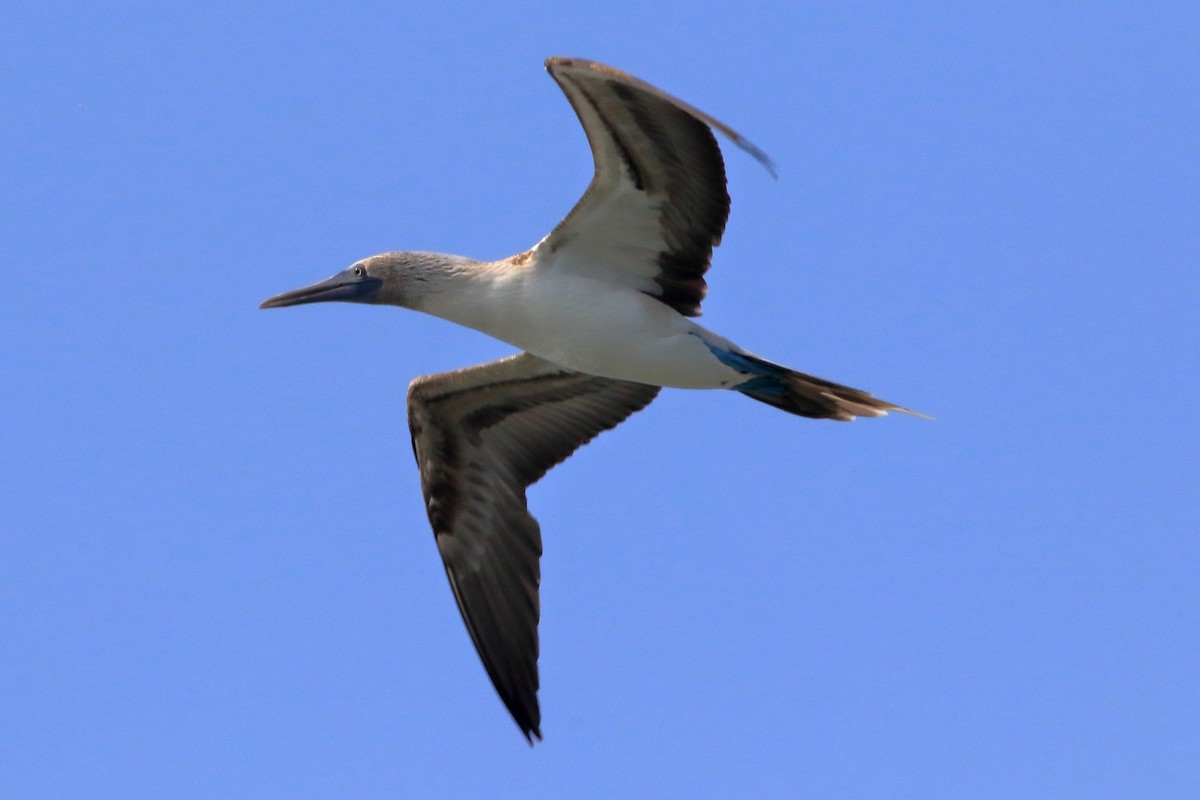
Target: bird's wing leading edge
point(657, 204)
point(481, 436)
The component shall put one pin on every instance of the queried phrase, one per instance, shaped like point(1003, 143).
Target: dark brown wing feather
point(481, 436)
point(657, 204)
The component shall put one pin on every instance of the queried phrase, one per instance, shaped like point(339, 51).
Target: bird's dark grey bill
point(345, 286)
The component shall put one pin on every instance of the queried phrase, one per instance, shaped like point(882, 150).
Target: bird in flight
point(602, 310)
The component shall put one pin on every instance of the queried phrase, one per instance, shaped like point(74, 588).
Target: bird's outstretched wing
point(657, 204)
point(481, 436)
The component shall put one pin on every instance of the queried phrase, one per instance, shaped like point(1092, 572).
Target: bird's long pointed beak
point(345, 286)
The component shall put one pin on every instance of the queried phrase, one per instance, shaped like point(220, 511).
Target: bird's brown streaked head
point(399, 278)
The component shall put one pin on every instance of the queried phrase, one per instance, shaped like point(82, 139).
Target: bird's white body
point(585, 321)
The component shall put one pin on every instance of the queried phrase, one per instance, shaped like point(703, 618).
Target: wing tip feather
point(554, 63)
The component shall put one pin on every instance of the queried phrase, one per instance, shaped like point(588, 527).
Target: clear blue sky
point(216, 577)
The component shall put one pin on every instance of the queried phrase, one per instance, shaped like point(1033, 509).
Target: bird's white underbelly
point(594, 327)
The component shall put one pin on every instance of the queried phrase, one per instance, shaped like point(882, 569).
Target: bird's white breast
point(587, 324)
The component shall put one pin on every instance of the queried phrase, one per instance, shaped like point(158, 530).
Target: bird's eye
point(358, 270)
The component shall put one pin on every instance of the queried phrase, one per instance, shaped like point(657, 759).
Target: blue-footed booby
point(602, 309)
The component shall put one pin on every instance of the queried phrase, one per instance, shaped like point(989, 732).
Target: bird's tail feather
point(806, 395)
